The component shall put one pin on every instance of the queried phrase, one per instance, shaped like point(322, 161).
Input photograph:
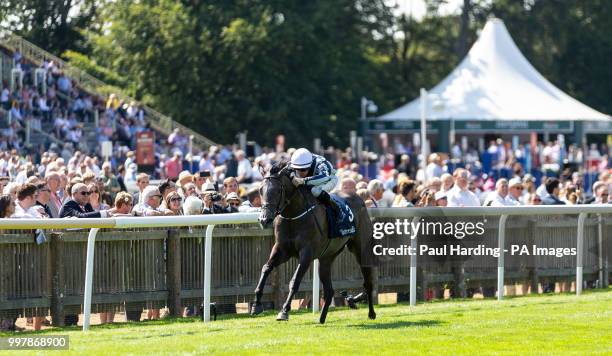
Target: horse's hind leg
point(368, 284)
point(368, 277)
point(294, 285)
point(276, 258)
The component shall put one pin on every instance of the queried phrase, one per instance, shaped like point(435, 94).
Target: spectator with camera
point(213, 201)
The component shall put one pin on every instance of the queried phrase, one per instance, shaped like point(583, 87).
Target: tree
point(54, 25)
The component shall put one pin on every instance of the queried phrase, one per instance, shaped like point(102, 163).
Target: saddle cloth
point(340, 226)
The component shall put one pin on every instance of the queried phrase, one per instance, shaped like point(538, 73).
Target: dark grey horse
point(301, 231)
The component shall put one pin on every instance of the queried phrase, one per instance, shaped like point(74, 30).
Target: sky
point(417, 7)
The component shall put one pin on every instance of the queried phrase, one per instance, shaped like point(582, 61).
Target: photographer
point(213, 201)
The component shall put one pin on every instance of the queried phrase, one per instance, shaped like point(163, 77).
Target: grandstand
point(24, 66)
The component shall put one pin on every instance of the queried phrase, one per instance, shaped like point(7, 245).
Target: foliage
point(54, 25)
point(300, 68)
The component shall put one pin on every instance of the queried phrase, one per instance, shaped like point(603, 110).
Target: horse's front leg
point(277, 256)
point(304, 262)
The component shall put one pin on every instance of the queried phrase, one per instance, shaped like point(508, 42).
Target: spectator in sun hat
point(515, 191)
point(183, 178)
point(441, 199)
point(233, 202)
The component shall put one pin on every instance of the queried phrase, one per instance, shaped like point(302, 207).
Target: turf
point(544, 324)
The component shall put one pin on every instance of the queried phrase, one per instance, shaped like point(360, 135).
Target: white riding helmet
point(301, 158)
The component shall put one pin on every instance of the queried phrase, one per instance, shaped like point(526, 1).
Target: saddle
point(343, 225)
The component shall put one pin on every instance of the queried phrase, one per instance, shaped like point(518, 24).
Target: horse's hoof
point(256, 309)
point(322, 321)
point(282, 316)
point(372, 315)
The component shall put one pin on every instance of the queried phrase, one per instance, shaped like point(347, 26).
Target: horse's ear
point(262, 169)
point(287, 170)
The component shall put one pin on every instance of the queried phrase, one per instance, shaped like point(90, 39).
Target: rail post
point(315, 286)
point(207, 267)
point(580, 252)
point(91, 240)
point(501, 243)
point(413, 267)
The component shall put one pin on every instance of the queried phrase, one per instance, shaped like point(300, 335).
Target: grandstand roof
point(496, 82)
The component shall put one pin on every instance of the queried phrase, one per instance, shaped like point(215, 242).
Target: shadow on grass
point(397, 324)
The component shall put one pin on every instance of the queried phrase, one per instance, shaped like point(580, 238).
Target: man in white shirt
point(244, 168)
point(151, 201)
point(460, 195)
point(26, 199)
point(498, 197)
point(206, 162)
point(434, 168)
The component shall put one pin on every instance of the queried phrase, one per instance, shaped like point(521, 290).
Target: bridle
point(284, 200)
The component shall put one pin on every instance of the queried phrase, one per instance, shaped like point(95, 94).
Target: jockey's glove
point(297, 181)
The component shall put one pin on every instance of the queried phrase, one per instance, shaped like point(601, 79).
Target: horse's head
point(274, 191)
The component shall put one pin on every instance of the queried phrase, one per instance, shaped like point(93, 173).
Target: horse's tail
point(365, 235)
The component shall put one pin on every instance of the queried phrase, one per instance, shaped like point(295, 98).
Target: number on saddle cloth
point(340, 226)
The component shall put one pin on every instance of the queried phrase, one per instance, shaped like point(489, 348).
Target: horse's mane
point(278, 166)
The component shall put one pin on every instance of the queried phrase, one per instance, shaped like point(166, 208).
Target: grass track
point(544, 324)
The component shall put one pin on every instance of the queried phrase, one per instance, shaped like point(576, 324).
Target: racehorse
point(301, 231)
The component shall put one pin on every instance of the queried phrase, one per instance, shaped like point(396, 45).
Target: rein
point(285, 203)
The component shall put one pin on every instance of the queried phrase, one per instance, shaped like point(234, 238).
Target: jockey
point(315, 172)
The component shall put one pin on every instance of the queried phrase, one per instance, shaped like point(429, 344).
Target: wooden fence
point(153, 268)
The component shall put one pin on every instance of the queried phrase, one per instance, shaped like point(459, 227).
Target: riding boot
point(326, 199)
